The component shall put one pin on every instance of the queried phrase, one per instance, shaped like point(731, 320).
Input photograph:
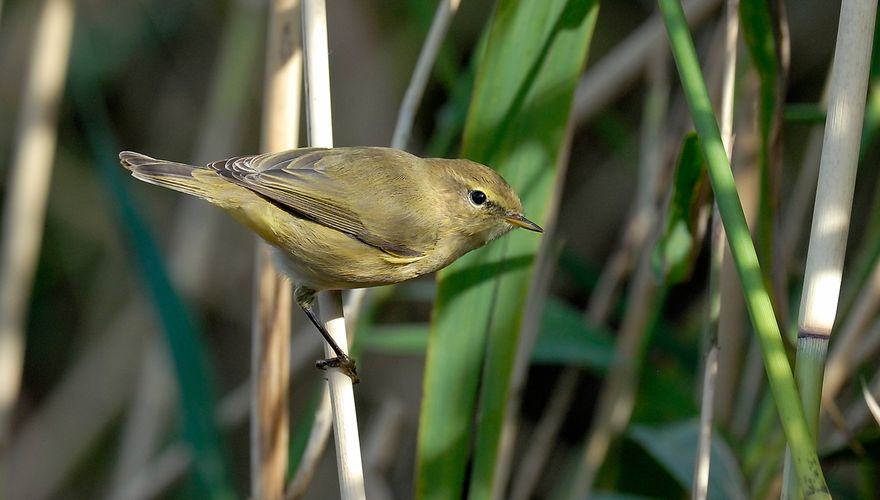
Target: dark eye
point(478, 197)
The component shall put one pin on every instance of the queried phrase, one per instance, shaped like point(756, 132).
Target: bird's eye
point(478, 197)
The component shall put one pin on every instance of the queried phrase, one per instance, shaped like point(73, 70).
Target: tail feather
point(177, 176)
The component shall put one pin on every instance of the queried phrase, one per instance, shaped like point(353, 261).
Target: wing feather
point(322, 185)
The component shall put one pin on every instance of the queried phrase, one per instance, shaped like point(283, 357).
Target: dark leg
point(305, 297)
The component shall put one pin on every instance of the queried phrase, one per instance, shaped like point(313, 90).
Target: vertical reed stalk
point(270, 362)
point(700, 489)
point(320, 127)
point(832, 211)
point(355, 298)
point(25, 205)
point(743, 252)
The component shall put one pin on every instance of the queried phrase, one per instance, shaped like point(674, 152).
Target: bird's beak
point(516, 219)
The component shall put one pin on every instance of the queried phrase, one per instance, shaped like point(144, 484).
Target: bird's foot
point(344, 363)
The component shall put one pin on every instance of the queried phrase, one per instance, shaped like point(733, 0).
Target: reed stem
point(320, 128)
point(831, 213)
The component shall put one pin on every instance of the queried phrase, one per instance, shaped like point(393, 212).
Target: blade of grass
point(519, 110)
point(744, 256)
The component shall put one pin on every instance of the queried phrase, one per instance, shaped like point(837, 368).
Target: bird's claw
point(344, 363)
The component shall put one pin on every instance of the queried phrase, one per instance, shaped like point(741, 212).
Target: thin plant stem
point(743, 252)
point(702, 462)
point(27, 191)
point(446, 10)
point(320, 128)
point(270, 357)
point(832, 211)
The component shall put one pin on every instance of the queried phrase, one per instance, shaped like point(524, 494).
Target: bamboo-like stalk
point(320, 127)
point(270, 357)
point(27, 191)
point(832, 211)
point(743, 252)
point(702, 461)
point(446, 9)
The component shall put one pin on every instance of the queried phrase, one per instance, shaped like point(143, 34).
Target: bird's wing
point(325, 186)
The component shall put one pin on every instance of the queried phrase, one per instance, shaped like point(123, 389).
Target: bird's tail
point(181, 177)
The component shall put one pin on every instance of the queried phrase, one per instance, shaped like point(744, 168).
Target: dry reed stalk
point(27, 191)
point(270, 361)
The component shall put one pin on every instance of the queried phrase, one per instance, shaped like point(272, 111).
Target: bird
point(350, 217)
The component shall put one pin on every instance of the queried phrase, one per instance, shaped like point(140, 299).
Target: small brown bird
point(351, 217)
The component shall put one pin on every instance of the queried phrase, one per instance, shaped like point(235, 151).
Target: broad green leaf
point(516, 123)
point(674, 255)
point(674, 447)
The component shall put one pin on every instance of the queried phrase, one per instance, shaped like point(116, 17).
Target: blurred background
point(97, 414)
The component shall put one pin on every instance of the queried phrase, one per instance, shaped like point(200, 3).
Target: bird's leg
point(305, 297)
